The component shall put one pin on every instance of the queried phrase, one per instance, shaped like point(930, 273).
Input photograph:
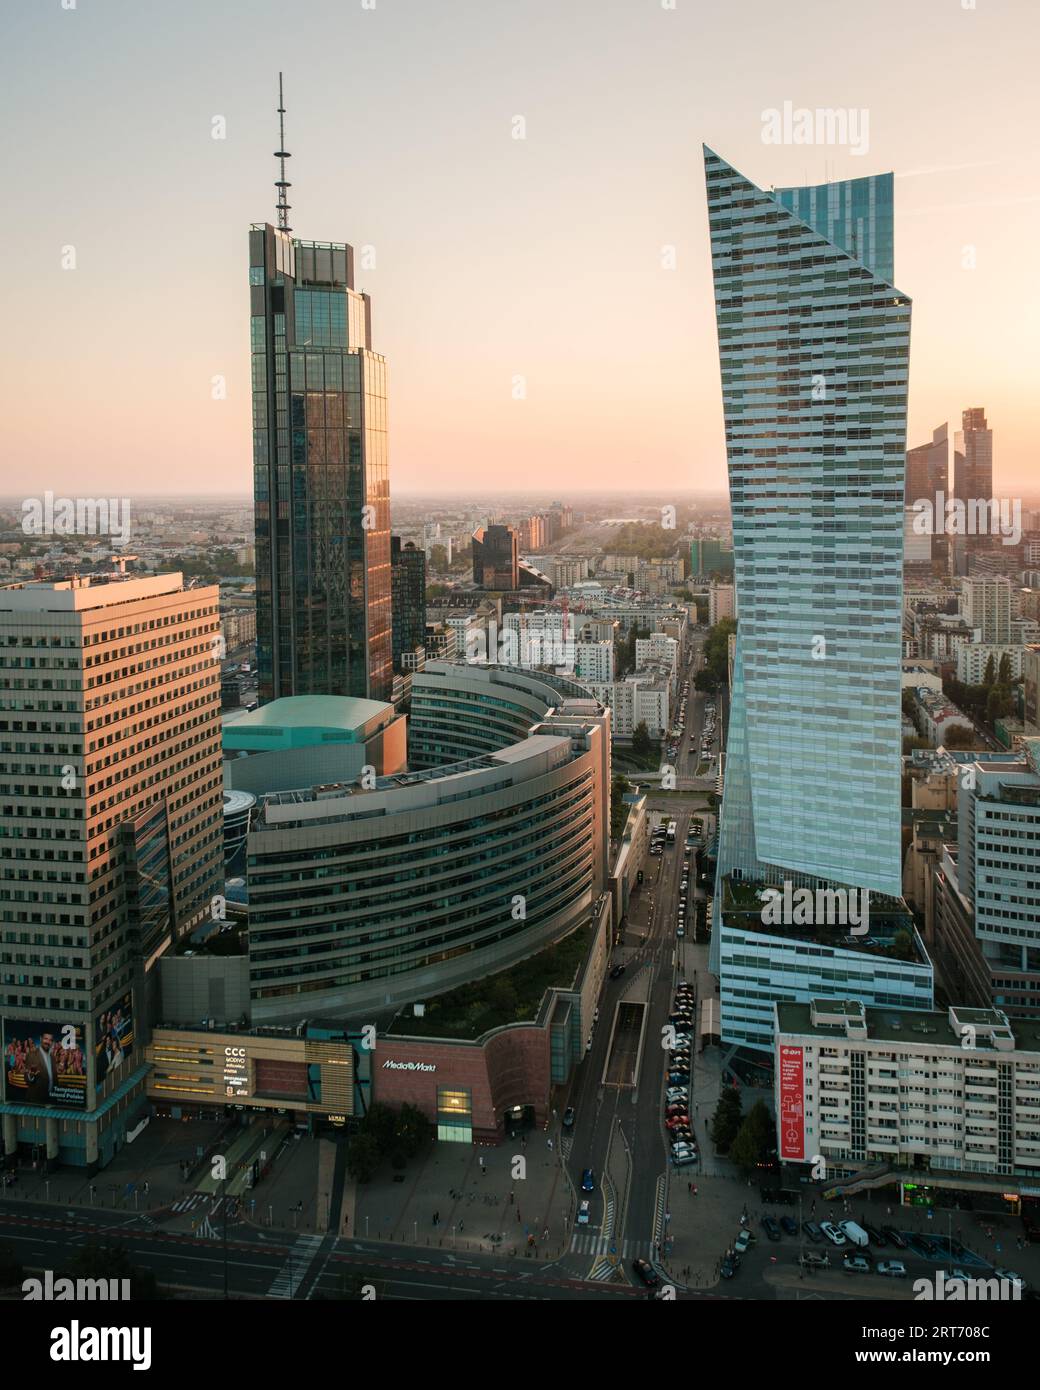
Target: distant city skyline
point(491, 259)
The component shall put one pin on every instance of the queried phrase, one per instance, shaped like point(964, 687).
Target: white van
point(856, 1235)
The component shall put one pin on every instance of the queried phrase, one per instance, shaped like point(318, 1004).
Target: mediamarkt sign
point(388, 1065)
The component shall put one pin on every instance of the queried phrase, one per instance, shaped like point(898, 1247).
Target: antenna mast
point(282, 154)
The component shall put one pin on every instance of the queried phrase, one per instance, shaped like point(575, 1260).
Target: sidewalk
point(463, 1198)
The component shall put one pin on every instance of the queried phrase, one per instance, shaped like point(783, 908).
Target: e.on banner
point(792, 1104)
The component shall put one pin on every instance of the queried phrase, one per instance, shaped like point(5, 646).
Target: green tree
point(959, 736)
point(754, 1139)
point(363, 1157)
point(903, 946)
point(414, 1131)
point(726, 1121)
point(642, 743)
point(990, 673)
point(1004, 670)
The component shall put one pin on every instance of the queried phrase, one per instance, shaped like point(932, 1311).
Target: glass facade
point(454, 1115)
point(408, 588)
point(814, 349)
point(320, 475)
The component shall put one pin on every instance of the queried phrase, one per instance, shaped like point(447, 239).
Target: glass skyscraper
point(814, 347)
point(320, 474)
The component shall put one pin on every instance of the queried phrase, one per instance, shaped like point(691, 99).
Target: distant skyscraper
point(496, 557)
point(928, 475)
point(814, 345)
point(408, 586)
point(320, 472)
point(972, 479)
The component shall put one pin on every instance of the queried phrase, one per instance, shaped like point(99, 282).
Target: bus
point(671, 832)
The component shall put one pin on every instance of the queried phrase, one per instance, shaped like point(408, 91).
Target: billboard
point(45, 1063)
point(792, 1104)
point(113, 1037)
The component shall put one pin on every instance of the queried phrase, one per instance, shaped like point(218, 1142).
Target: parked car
point(856, 1264)
point(588, 1181)
point(646, 1274)
point(789, 1224)
point(875, 1235)
point(892, 1269)
point(896, 1237)
point(1015, 1280)
point(771, 1228)
point(812, 1231)
point(683, 1160)
point(729, 1266)
point(833, 1234)
point(811, 1259)
point(855, 1234)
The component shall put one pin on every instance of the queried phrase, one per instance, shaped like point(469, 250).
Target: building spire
point(282, 154)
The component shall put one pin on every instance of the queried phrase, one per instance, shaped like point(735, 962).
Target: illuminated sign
point(389, 1065)
point(236, 1072)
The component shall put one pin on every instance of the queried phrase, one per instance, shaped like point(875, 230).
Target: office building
point(320, 471)
point(928, 481)
point(814, 351)
point(496, 558)
point(111, 830)
point(408, 598)
point(972, 483)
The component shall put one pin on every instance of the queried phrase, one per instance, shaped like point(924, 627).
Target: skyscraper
point(320, 472)
point(927, 477)
point(972, 481)
point(814, 348)
point(408, 587)
point(496, 557)
point(111, 828)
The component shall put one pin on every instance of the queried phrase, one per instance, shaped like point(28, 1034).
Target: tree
point(642, 744)
point(414, 1131)
point(999, 703)
point(959, 736)
point(362, 1157)
point(989, 675)
point(1004, 670)
point(903, 945)
point(754, 1139)
point(727, 1118)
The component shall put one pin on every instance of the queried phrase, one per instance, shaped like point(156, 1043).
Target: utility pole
point(223, 1190)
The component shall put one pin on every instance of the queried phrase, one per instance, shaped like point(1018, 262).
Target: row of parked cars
point(677, 1096)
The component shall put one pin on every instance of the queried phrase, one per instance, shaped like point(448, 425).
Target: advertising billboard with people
point(44, 1064)
point(113, 1037)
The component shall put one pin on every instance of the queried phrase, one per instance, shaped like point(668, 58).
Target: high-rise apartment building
point(408, 591)
point(985, 604)
point(814, 348)
point(320, 473)
point(111, 811)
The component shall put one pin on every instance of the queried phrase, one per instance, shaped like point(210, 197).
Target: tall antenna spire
point(282, 154)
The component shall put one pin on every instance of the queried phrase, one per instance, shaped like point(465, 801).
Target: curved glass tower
point(814, 347)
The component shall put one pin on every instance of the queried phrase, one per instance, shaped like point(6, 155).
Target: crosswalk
point(592, 1243)
point(195, 1199)
point(291, 1275)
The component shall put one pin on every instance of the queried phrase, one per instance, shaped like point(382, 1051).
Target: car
point(812, 1231)
point(892, 1269)
point(729, 1266)
point(677, 1107)
point(583, 1213)
point(1015, 1280)
point(770, 1227)
point(677, 1095)
point(957, 1275)
point(875, 1235)
point(646, 1273)
point(683, 1149)
point(680, 933)
point(789, 1225)
point(896, 1237)
point(678, 1078)
point(812, 1259)
point(743, 1241)
point(588, 1181)
point(855, 1264)
point(568, 1117)
point(832, 1233)
point(678, 1122)
point(617, 972)
point(684, 1160)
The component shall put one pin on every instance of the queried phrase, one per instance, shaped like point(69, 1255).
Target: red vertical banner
point(792, 1103)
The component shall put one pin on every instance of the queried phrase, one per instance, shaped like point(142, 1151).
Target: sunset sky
point(495, 257)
